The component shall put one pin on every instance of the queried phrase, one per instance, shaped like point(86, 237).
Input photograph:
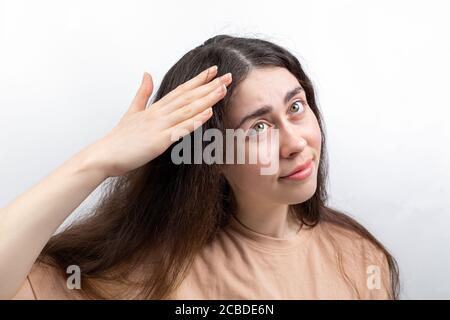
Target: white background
point(69, 69)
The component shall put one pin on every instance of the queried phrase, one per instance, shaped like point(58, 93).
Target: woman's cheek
point(266, 150)
point(246, 177)
point(317, 139)
point(315, 135)
point(257, 156)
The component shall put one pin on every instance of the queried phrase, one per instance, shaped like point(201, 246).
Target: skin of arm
point(28, 222)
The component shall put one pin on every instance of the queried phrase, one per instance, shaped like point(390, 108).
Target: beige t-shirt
point(243, 264)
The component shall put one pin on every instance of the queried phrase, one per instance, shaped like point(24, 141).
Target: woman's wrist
point(89, 160)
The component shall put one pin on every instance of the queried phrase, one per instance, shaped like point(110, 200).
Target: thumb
point(144, 92)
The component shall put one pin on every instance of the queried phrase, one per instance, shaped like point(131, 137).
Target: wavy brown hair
point(157, 217)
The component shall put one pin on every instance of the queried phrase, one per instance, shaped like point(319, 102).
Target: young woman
point(164, 230)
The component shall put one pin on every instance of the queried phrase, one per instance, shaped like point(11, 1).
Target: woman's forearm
point(28, 222)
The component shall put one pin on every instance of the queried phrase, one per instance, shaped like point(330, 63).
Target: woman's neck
point(274, 221)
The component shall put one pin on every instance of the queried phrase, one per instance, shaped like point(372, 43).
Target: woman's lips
point(301, 174)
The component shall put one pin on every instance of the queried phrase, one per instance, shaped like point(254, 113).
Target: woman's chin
point(300, 195)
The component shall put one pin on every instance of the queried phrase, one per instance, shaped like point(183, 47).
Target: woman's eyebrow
point(265, 109)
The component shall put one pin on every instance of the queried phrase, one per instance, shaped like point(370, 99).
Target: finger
point(144, 92)
point(202, 78)
point(193, 123)
point(197, 93)
point(196, 107)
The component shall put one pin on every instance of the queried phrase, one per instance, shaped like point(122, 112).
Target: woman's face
point(299, 138)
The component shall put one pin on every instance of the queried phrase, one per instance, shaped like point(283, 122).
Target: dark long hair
point(157, 217)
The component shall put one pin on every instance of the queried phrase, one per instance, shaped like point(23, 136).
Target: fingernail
point(213, 68)
point(226, 76)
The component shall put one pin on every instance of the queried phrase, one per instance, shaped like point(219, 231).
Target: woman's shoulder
point(360, 256)
point(350, 241)
point(45, 282)
point(25, 292)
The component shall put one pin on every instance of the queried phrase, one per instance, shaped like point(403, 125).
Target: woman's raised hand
point(143, 133)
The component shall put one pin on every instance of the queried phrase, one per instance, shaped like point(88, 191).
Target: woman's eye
point(257, 128)
point(297, 105)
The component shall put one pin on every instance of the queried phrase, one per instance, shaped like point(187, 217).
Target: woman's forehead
point(262, 86)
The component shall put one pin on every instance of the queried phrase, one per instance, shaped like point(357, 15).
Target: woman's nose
point(291, 142)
